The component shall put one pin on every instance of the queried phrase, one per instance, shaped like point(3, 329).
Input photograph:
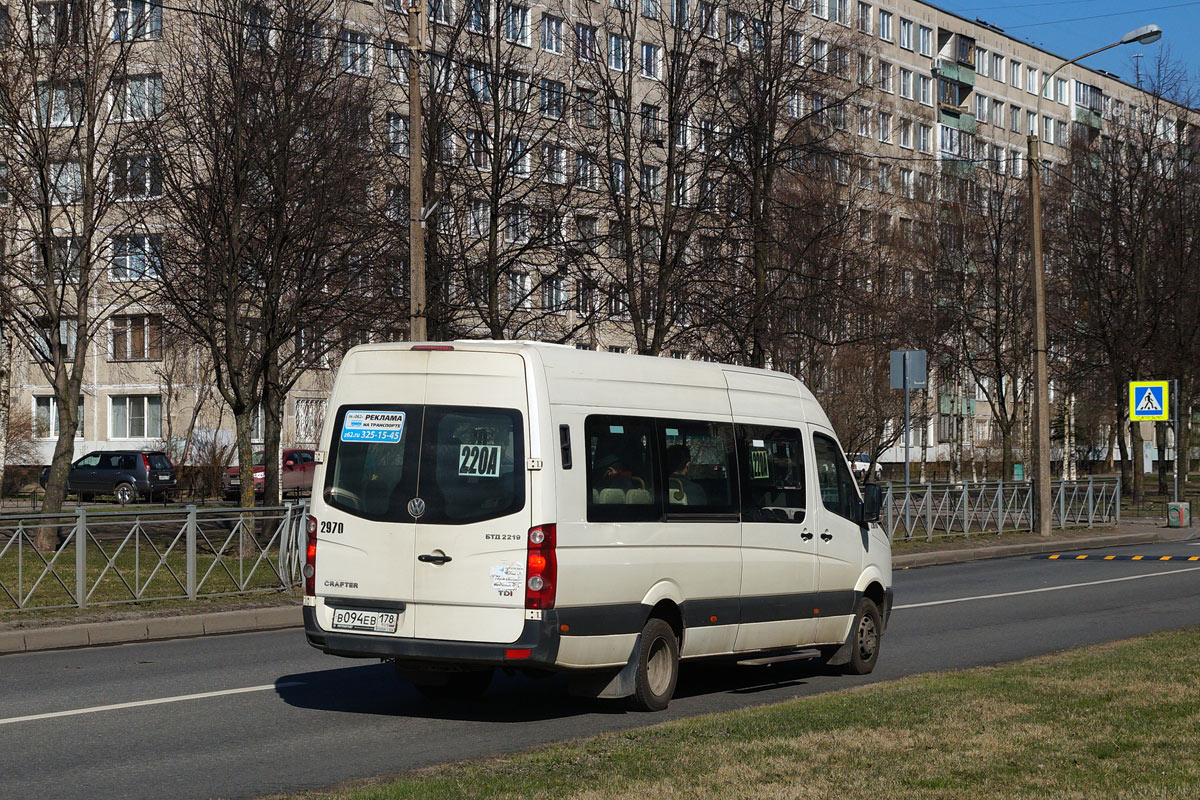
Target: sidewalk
point(275, 618)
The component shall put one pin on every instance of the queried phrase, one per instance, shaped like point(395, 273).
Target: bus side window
point(622, 469)
point(771, 461)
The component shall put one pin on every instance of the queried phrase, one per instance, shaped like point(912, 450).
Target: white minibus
point(483, 504)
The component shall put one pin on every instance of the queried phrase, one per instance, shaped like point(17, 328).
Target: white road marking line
point(1045, 589)
point(157, 701)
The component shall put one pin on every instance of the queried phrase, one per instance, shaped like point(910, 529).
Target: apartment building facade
point(569, 147)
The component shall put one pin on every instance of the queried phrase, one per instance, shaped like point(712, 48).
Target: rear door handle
point(826, 536)
point(430, 558)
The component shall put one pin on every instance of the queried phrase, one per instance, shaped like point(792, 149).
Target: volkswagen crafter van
point(511, 504)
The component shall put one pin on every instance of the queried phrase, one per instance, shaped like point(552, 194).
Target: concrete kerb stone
point(139, 630)
point(943, 557)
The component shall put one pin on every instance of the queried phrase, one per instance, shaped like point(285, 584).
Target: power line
point(1101, 16)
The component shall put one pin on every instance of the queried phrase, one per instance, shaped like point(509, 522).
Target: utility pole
point(1147, 34)
point(416, 178)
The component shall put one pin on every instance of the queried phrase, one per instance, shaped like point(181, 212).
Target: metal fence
point(98, 558)
point(963, 509)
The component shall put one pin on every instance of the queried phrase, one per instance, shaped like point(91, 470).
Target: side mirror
point(872, 503)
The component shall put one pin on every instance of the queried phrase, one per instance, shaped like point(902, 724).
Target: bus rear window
point(466, 464)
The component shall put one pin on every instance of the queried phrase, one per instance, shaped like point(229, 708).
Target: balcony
point(1088, 117)
point(952, 70)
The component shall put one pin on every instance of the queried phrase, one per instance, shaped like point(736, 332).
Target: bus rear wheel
point(657, 667)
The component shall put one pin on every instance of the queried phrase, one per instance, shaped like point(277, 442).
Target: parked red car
point(297, 475)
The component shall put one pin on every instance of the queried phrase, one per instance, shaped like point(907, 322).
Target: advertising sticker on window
point(385, 427)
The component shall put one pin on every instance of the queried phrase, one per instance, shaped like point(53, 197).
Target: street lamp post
point(1147, 34)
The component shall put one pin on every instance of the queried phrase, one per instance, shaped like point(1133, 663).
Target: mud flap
point(607, 685)
point(841, 656)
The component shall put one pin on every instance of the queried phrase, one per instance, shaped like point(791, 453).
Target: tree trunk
point(272, 405)
point(1123, 448)
point(5, 387)
point(1160, 436)
point(1135, 461)
point(245, 450)
point(48, 537)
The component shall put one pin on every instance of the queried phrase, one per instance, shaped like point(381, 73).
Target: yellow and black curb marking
point(1063, 557)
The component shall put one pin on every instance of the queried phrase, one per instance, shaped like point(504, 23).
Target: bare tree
point(73, 97)
point(268, 161)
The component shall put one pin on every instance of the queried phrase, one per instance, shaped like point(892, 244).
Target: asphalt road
point(274, 715)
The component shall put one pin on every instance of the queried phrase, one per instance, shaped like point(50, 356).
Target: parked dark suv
point(125, 474)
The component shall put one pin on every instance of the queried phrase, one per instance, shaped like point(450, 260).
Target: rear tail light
point(541, 568)
point(439, 347)
point(310, 559)
point(146, 462)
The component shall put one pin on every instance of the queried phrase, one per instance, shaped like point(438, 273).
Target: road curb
point(943, 557)
point(152, 628)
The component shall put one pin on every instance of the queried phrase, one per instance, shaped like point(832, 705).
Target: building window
point(46, 422)
point(651, 182)
point(906, 34)
point(59, 104)
point(517, 157)
point(518, 289)
point(585, 171)
point(554, 98)
point(67, 339)
point(885, 77)
point(136, 337)
point(439, 11)
point(136, 20)
point(618, 47)
point(135, 257)
point(356, 53)
point(885, 127)
point(138, 98)
point(885, 25)
point(925, 89)
point(476, 15)
point(479, 149)
point(924, 138)
point(135, 416)
point(735, 28)
point(1014, 74)
point(651, 60)
point(651, 122)
point(554, 162)
point(708, 18)
point(397, 134)
point(516, 231)
point(310, 417)
point(864, 18)
point(555, 294)
point(516, 24)
point(551, 34)
point(4, 196)
point(925, 40)
point(137, 177)
point(585, 42)
point(396, 56)
point(904, 127)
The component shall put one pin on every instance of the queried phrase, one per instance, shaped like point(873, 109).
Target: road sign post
point(908, 373)
point(1150, 401)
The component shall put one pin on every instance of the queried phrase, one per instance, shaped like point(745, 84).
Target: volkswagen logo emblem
point(416, 507)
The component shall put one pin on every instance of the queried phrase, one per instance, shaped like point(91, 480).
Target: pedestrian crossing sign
point(1149, 400)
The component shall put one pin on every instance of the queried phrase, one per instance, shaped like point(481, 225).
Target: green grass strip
point(1120, 720)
